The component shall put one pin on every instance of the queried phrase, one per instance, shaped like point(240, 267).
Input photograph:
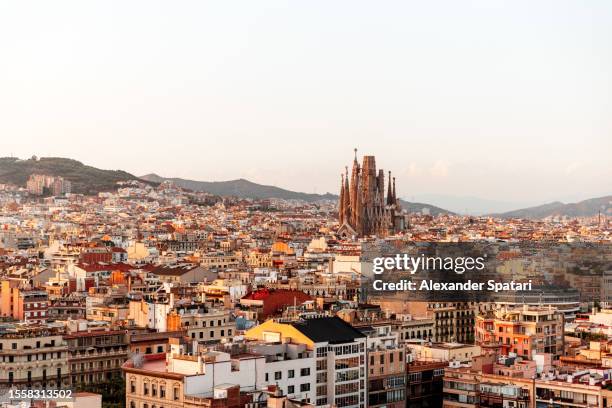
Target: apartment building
point(220, 261)
point(452, 321)
point(96, 355)
point(386, 377)
point(467, 387)
point(290, 367)
point(410, 328)
point(33, 356)
point(21, 303)
point(151, 342)
point(420, 350)
point(188, 375)
point(424, 383)
point(522, 330)
point(340, 356)
point(385, 363)
point(202, 323)
point(32, 306)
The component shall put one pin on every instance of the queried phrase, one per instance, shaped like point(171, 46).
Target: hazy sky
point(501, 100)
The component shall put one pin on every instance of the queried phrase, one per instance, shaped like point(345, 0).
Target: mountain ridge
point(585, 208)
point(247, 189)
point(240, 188)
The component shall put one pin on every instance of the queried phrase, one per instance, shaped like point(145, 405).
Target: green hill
point(240, 188)
point(85, 179)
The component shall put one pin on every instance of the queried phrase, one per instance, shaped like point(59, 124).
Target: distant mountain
point(84, 179)
point(241, 188)
point(247, 189)
point(471, 205)
point(585, 208)
point(419, 207)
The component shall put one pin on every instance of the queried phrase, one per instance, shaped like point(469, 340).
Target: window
point(132, 386)
point(438, 372)
point(305, 387)
point(160, 349)
point(291, 389)
point(162, 391)
point(145, 388)
point(278, 375)
point(382, 359)
point(176, 393)
point(305, 371)
point(291, 373)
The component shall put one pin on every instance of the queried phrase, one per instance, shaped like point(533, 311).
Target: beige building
point(443, 351)
point(206, 325)
point(33, 356)
point(96, 355)
point(387, 377)
point(188, 376)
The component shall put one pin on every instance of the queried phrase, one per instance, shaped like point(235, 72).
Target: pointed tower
point(389, 192)
point(341, 201)
point(347, 198)
point(355, 189)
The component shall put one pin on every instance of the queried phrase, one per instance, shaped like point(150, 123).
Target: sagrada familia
point(363, 209)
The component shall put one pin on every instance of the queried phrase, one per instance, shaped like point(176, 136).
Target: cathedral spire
point(347, 198)
point(394, 196)
point(389, 191)
point(341, 201)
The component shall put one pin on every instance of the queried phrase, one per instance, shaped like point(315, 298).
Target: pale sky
point(507, 100)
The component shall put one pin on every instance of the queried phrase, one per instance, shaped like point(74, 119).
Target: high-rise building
point(522, 330)
point(41, 184)
point(363, 208)
point(339, 352)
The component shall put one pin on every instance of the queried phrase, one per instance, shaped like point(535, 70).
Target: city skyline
point(502, 101)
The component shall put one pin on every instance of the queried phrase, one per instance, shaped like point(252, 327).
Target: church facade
point(364, 209)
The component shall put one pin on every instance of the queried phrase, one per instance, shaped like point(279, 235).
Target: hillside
point(84, 179)
point(418, 207)
point(241, 188)
point(247, 189)
point(585, 208)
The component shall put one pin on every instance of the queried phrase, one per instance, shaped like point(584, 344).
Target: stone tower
point(364, 210)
